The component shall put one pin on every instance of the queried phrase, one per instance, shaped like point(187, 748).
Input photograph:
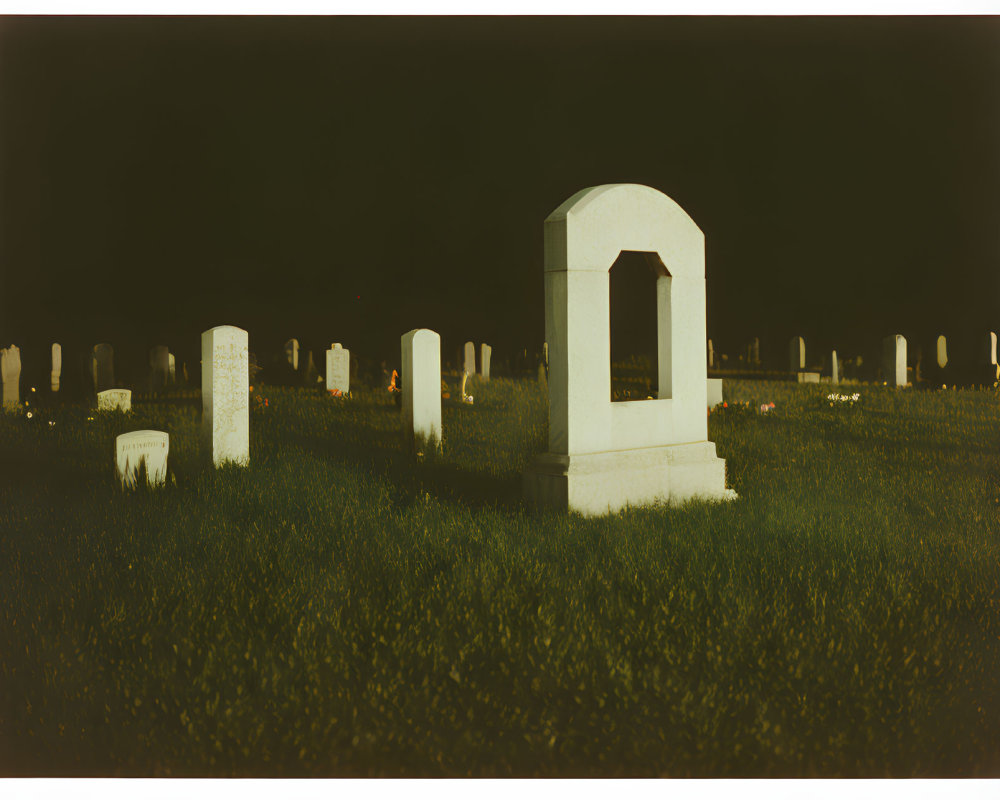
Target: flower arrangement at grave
point(843, 400)
point(392, 383)
point(445, 391)
point(466, 398)
point(259, 403)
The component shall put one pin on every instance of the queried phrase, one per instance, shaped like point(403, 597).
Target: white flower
point(29, 415)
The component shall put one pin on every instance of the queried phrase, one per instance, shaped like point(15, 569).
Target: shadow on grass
point(385, 454)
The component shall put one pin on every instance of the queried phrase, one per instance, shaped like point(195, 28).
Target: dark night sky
point(164, 175)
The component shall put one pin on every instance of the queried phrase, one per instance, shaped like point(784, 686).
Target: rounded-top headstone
point(137, 447)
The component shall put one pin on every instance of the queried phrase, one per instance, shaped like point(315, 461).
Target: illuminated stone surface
point(103, 367)
point(485, 355)
point(470, 358)
point(714, 392)
point(894, 360)
point(136, 447)
point(225, 394)
point(114, 400)
point(56, 374)
point(338, 369)
point(605, 455)
point(797, 353)
point(421, 359)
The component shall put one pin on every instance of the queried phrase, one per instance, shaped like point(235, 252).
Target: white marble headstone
point(135, 447)
point(485, 355)
point(338, 369)
point(894, 360)
point(56, 373)
point(714, 392)
point(10, 371)
point(942, 352)
point(225, 394)
point(834, 368)
point(171, 368)
point(421, 358)
point(114, 400)
point(993, 347)
point(470, 358)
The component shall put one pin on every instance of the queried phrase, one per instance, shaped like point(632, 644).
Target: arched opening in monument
point(636, 298)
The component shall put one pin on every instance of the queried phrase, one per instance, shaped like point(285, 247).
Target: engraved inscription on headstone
point(421, 358)
point(148, 447)
point(338, 369)
point(225, 394)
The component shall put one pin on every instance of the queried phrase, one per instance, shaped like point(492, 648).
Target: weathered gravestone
point(605, 455)
point(711, 355)
point(225, 394)
point(755, 352)
point(470, 359)
point(942, 352)
point(834, 368)
point(797, 353)
point(807, 377)
point(310, 375)
point(171, 369)
point(103, 366)
point(56, 373)
point(159, 367)
point(142, 447)
point(114, 400)
point(992, 348)
point(894, 360)
point(421, 354)
point(10, 371)
point(292, 353)
point(485, 356)
point(338, 369)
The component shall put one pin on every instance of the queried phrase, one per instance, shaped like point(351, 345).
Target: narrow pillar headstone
point(338, 369)
point(894, 360)
point(942, 352)
point(797, 353)
point(310, 375)
point(225, 394)
point(10, 370)
point(834, 368)
point(470, 358)
point(755, 352)
point(545, 353)
point(103, 367)
point(421, 358)
point(159, 366)
point(711, 355)
point(171, 368)
point(56, 367)
point(292, 353)
point(114, 400)
point(150, 447)
point(485, 355)
point(993, 347)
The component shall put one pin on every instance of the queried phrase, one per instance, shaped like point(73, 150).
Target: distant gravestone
point(993, 348)
point(470, 359)
point(138, 447)
point(545, 353)
point(797, 353)
point(103, 367)
point(421, 354)
point(711, 354)
point(10, 371)
point(292, 353)
point(159, 367)
point(171, 369)
point(338, 369)
point(755, 352)
point(225, 394)
point(807, 377)
point(114, 400)
point(485, 356)
point(714, 392)
point(942, 352)
point(834, 368)
point(56, 373)
point(894, 360)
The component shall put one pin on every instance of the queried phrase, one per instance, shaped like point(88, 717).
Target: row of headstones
point(338, 365)
point(225, 392)
point(893, 358)
point(485, 356)
point(161, 362)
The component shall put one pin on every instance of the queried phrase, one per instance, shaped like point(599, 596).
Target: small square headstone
point(114, 400)
point(10, 371)
point(149, 447)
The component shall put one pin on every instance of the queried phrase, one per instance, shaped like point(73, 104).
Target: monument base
point(593, 484)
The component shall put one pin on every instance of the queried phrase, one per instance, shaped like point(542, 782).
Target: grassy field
point(338, 609)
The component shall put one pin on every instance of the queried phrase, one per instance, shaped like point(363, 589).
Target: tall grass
point(341, 609)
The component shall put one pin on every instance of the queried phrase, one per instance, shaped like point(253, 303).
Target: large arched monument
point(604, 455)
